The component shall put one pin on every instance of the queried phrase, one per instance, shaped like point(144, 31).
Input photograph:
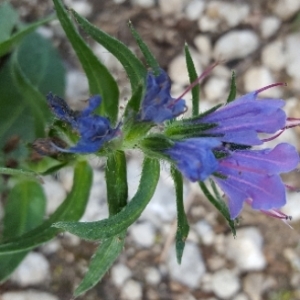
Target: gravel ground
point(260, 40)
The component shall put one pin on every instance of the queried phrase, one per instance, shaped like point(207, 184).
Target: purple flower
point(157, 104)
point(94, 130)
point(253, 176)
point(240, 121)
point(194, 157)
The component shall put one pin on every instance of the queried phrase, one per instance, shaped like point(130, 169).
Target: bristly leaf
point(118, 223)
point(150, 59)
point(219, 204)
point(8, 20)
point(135, 70)
point(70, 210)
point(182, 222)
point(24, 210)
point(100, 80)
point(193, 76)
point(102, 260)
point(116, 182)
point(232, 93)
point(21, 173)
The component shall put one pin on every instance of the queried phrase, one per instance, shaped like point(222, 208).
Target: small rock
point(132, 290)
point(256, 284)
point(232, 13)
point(269, 26)
point(292, 207)
point(107, 58)
point(194, 9)
point(273, 55)
point(292, 256)
point(203, 44)
point(236, 44)
point(208, 24)
point(27, 295)
point(205, 232)
point(225, 284)
point(119, 1)
point(143, 234)
point(206, 283)
point(83, 8)
point(169, 7)
point(241, 296)
point(185, 296)
point(216, 88)
point(55, 194)
point(292, 55)
point(246, 249)
point(285, 9)
point(119, 274)
point(192, 267)
point(215, 262)
point(143, 3)
point(258, 77)
point(66, 178)
point(152, 276)
point(51, 247)
point(33, 270)
point(178, 69)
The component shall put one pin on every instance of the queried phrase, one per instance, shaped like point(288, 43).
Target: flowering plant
point(215, 145)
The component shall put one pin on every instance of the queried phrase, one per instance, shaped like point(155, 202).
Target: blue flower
point(240, 121)
point(94, 130)
point(157, 104)
point(253, 176)
point(194, 157)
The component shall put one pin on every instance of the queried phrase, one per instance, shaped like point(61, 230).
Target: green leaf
point(118, 223)
point(232, 93)
point(132, 65)
point(219, 204)
point(100, 80)
point(70, 210)
point(116, 182)
point(182, 222)
point(102, 260)
point(150, 59)
point(46, 165)
point(193, 76)
point(8, 44)
point(21, 173)
point(8, 20)
point(24, 210)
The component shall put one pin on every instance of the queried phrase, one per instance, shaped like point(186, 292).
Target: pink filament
point(270, 86)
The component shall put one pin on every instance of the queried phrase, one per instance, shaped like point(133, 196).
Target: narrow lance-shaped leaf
point(135, 70)
point(8, 20)
point(182, 222)
point(100, 80)
point(24, 210)
point(193, 76)
point(150, 59)
point(21, 173)
point(232, 93)
point(118, 223)
point(70, 210)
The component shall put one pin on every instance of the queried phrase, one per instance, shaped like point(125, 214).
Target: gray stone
point(215, 88)
point(27, 295)
point(143, 234)
point(84, 8)
point(203, 44)
point(225, 284)
point(258, 77)
point(205, 232)
point(132, 290)
point(241, 296)
point(236, 44)
point(169, 7)
point(246, 249)
point(33, 270)
point(143, 3)
point(194, 9)
point(119, 274)
point(152, 276)
point(192, 267)
point(269, 26)
point(292, 45)
point(208, 24)
point(292, 206)
point(285, 9)
point(273, 55)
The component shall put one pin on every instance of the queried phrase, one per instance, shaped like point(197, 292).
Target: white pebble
point(292, 207)
point(216, 88)
point(258, 77)
point(246, 249)
point(236, 44)
point(119, 274)
point(33, 270)
point(194, 9)
point(27, 295)
point(152, 276)
point(269, 26)
point(208, 24)
point(66, 178)
point(132, 290)
point(203, 44)
point(292, 55)
point(273, 55)
point(286, 8)
point(143, 234)
point(168, 7)
point(225, 284)
point(205, 232)
point(83, 8)
point(143, 3)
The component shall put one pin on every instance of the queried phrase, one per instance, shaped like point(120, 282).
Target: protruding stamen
point(202, 76)
point(274, 136)
point(292, 122)
point(270, 86)
point(292, 188)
